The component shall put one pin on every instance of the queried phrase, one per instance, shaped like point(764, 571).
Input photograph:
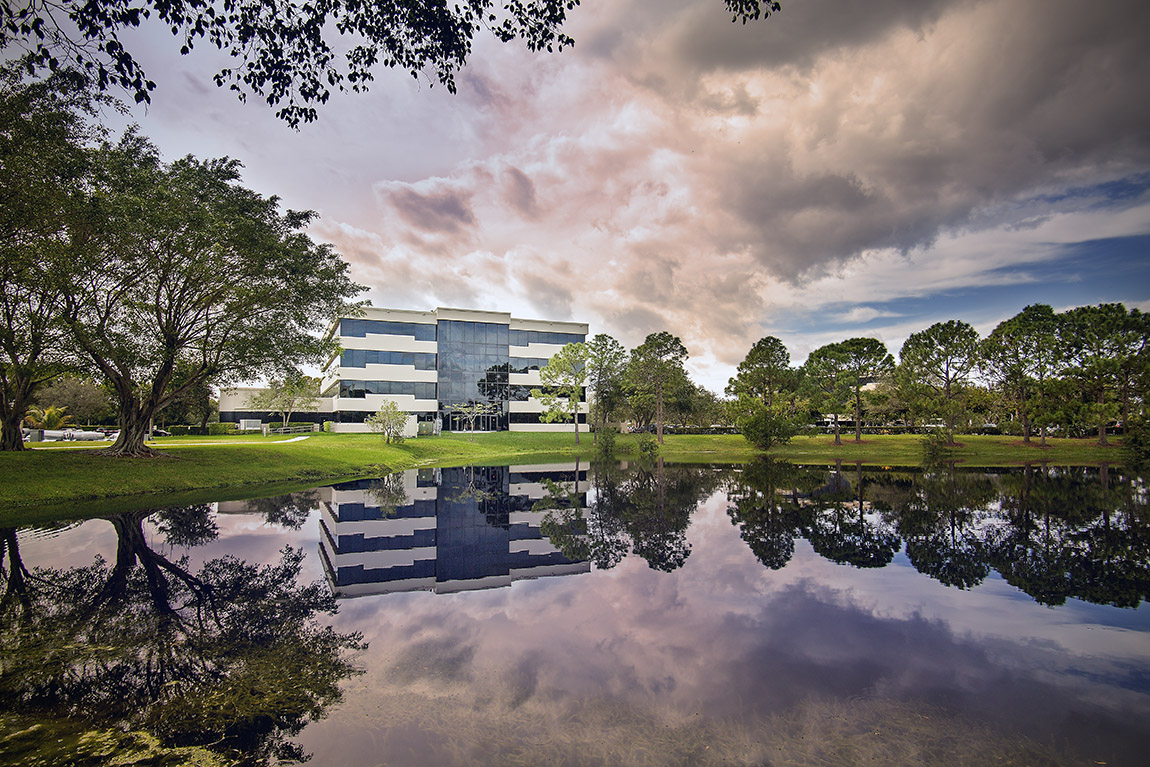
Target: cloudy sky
point(843, 169)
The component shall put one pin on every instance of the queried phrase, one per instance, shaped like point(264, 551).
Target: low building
point(437, 366)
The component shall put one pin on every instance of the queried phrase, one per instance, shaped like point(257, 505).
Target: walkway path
point(164, 446)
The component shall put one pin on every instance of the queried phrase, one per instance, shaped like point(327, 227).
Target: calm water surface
point(760, 615)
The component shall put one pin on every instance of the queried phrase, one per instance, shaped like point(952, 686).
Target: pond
point(567, 614)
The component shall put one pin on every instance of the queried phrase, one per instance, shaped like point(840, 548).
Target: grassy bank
point(53, 478)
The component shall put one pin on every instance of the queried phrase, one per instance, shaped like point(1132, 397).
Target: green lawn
point(49, 480)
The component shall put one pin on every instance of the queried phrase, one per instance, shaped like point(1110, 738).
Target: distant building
point(430, 364)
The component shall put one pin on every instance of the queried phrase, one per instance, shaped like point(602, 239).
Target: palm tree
point(51, 417)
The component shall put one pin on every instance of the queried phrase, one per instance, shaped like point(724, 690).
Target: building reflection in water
point(442, 530)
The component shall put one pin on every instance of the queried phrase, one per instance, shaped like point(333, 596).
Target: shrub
point(936, 447)
point(327, 425)
point(648, 447)
point(389, 421)
point(605, 441)
point(216, 429)
point(766, 427)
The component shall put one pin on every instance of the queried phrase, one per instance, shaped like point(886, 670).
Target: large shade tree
point(43, 130)
point(765, 394)
point(286, 395)
point(865, 361)
point(943, 357)
point(191, 271)
point(1095, 341)
point(654, 366)
point(291, 54)
point(606, 361)
point(1019, 356)
point(827, 371)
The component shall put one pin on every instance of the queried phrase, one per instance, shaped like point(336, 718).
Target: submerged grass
point(48, 481)
point(496, 727)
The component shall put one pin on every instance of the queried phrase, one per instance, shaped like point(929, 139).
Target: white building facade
point(436, 365)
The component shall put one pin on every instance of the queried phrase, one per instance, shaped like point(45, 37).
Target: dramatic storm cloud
point(841, 169)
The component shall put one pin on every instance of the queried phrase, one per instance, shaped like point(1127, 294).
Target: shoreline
point(46, 481)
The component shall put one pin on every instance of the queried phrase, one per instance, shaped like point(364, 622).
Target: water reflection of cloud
point(723, 652)
point(728, 638)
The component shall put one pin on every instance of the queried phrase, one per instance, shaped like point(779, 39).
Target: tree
point(283, 51)
point(866, 360)
point(287, 395)
point(766, 395)
point(43, 132)
point(766, 373)
point(1019, 355)
point(51, 417)
point(1093, 340)
point(471, 411)
point(1134, 370)
point(389, 421)
point(827, 368)
point(288, 51)
point(85, 400)
point(943, 357)
point(191, 269)
point(655, 364)
point(563, 377)
point(606, 361)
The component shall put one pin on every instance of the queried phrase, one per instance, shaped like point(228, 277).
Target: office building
point(432, 364)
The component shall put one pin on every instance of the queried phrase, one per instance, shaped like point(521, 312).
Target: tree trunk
point(838, 438)
point(134, 422)
point(12, 436)
point(1101, 421)
point(1025, 421)
point(858, 417)
point(659, 410)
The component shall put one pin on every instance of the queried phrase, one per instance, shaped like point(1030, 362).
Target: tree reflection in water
point(764, 505)
point(645, 509)
point(942, 514)
point(229, 656)
point(1054, 533)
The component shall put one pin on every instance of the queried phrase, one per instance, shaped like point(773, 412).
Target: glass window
point(359, 328)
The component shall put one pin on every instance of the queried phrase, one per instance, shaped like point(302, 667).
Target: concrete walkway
point(165, 445)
